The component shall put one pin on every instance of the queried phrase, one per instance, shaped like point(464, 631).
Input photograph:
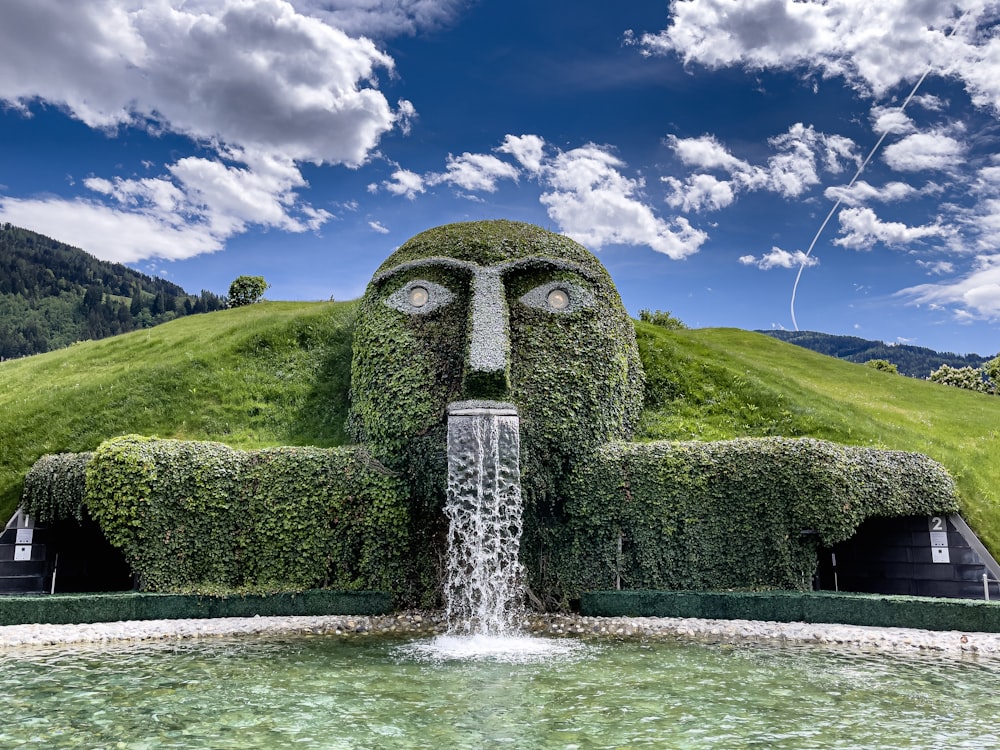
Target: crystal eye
point(419, 297)
point(559, 297)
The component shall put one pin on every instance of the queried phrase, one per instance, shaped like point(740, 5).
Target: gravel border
point(14, 638)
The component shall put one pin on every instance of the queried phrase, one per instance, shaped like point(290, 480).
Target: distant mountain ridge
point(53, 294)
point(915, 361)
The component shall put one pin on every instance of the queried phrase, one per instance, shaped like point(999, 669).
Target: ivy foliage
point(574, 375)
point(734, 514)
point(599, 512)
point(201, 516)
point(55, 487)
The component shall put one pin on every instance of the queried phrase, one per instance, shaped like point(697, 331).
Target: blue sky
point(696, 146)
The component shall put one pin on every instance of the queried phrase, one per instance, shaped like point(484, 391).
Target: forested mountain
point(915, 361)
point(52, 294)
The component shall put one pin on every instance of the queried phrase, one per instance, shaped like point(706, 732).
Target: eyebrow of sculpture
point(531, 262)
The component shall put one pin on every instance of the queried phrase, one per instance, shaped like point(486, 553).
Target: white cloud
point(920, 151)
point(973, 297)
point(937, 267)
point(529, 150)
point(699, 192)
point(930, 102)
point(265, 86)
point(793, 169)
point(891, 120)
point(382, 18)
point(873, 46)
point(861, 229)
point(778, 258)
point(584, 190)
point(251, 74)
point(706, 152)
point(403, 182)
point(110, 233)
point(406, 113)
point(800, 152)
point(593, 202)
point(862, 192)
point(475, 172)
point(193, 209)
point(377, 227)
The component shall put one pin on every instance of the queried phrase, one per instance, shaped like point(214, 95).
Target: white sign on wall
point(24, 536)
point(938, 527)
point(22, 552)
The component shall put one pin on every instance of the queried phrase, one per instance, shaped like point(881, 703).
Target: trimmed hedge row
point(790, 606)
point(745, 514)
point(199, 515)
point(62, 609)
point(739, 514)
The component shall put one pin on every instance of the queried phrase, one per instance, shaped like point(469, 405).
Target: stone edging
point(869, 639)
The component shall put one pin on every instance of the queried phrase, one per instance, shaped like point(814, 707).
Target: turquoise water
point(331, 692)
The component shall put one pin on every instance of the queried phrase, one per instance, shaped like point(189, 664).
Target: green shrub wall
point(81, 608)
point(202, 516)
point(739, 514)
point(55, 487)
point(875, 610)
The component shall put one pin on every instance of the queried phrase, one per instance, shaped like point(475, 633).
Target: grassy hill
point(52, 294)
point(278, 373)
point(915, 361)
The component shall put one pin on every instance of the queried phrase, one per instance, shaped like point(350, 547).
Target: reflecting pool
point(366, 692)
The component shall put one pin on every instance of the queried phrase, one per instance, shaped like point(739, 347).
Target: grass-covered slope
point(274, 373)
point(711, 384)
point(278, 373)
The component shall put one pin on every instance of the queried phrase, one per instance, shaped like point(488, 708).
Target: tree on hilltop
point(246, 290)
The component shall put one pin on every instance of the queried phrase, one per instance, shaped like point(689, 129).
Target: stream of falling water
point(484, 580)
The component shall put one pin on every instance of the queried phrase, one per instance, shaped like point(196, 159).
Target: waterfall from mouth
point(484, 583)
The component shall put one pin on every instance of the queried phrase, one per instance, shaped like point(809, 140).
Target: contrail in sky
point(857, 174)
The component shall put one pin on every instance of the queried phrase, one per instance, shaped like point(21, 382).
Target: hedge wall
point(876, 610)
point(84, 608)
point(199, 515)
point(737, 514)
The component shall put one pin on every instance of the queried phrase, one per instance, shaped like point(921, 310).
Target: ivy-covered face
point(496, 312)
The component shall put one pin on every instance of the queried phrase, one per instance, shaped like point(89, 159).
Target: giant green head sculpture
point(497, 312)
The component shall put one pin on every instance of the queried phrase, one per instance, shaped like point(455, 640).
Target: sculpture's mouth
point(481, 407)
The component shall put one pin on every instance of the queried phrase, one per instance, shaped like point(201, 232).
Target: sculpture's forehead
point(490, 243)
point(530, 263)
point(503, 245)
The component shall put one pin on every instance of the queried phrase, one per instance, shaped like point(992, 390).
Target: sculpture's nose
point(487, 365)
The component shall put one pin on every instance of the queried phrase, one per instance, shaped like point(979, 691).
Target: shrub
point(55, 486)
point(971, 378)
point(882, 364)
point(199, 515)
point(735, 514)
point(661, 318)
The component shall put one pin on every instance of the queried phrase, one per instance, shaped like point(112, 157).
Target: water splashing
point(484, 585)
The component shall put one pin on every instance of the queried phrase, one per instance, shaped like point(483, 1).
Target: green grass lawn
point(711, 384)
point(274, 373)
point(278, 373)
